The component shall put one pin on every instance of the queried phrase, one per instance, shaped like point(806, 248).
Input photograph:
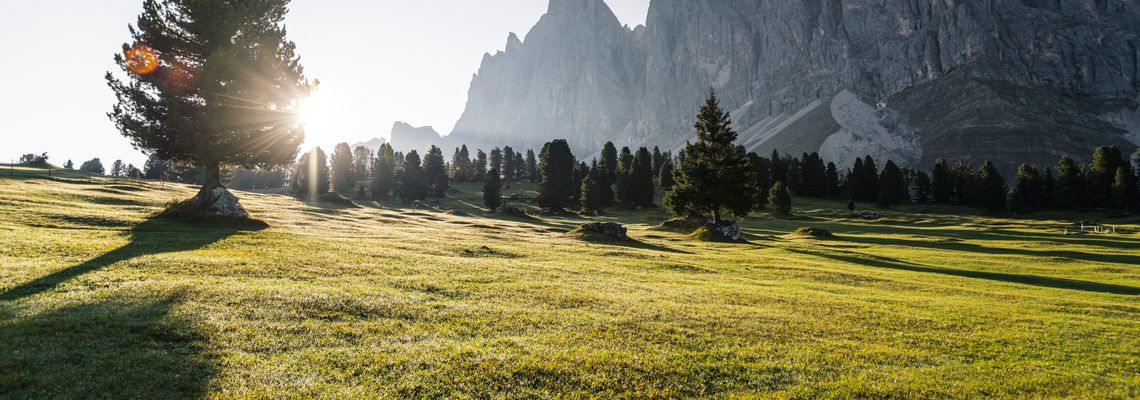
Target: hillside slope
point(449, 302)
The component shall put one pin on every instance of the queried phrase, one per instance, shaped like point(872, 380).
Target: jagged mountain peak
point(513, 43)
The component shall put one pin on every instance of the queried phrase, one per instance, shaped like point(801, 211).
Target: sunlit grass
point(98, 300)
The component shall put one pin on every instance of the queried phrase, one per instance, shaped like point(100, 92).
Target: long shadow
point(154, 236)
point(1122, 243)
point(1035, 280)
point(118, 349)
point(974, 248)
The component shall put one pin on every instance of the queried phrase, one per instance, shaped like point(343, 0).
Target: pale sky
point(379, 61)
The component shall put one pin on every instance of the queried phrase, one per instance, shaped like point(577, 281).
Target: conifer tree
point(435, 173)
point(715, 175)
point(1048, 188)
point(520, 166)
point(411, 182)
point(593, 199)
point(343, 171)
point(362, 162)
point(781, 199)
point(831, 181)
point(69, 165)
point(892, 187)
point(496, 161)
point(1102, 173)
point(508, 167)
point(531, 166)
point(1069, 186)
point(155, 168)
point(556, 189)
point(383, 172)
point(609, 163)
point(624, 167)
point(1124, 189)
point(492, 190)
point(118, 169)
point(480, 166)
point(211, 82)
point(666, 177)
point(1014, 201)
point(779, 167)
point(922, 188)
point(581, 172)
point(761, 171)
point(870, 180)
point(965, 184)
point(1029, 188)
point(941, 183)
point(310, 175)
point(461, 165)
point(658, 160)
point(94, 166)
point(992, 189)
point(641, 190)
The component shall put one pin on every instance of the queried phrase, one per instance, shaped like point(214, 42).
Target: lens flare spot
point(141, 60)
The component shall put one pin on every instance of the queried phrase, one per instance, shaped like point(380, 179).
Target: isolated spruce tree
point(531, 166)
point(991, 187)
point(941, 183)
point(493, 190)
point(1069, 185)
point(556, 189)
point(411, 182)
point(831, 181)
point(480, 167)
point(922, 188)
point(435, 173)
point(780, 198)
point(362, 163)
point(211, 82)
point(342, 169)
point(715, 175)
point(383, 172)
point(593, 196)
point(310, 175)
point(892, 187)
point(1124, 189)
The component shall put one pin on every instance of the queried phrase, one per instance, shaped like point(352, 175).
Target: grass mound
point(813, 233)
point(680, 225)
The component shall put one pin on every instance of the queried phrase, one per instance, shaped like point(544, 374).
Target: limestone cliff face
point(912, 80)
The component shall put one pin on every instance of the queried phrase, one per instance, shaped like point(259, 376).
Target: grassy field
point(100, 300)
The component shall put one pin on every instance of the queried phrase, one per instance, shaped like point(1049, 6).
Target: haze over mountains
point(913, 81)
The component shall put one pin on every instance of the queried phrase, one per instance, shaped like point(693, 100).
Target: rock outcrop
point(407, 138)
point(909, 80)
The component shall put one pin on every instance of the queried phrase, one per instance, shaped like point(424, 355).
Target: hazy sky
point(378, 62)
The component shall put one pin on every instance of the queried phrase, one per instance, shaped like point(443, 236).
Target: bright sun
point(319, 116)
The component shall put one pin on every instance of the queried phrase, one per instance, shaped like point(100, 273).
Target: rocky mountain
point(372, 145)
point(910, 80)
point(406, 138)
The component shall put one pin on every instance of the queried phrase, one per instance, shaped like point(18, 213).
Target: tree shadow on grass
point(125, 348)
point(1026, 279)
point(974, 248)
point(155, 236)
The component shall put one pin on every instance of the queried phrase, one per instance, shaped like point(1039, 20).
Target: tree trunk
point(716, 216)
point(211, 178)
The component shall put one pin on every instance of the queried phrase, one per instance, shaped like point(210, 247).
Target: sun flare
point(318, 115)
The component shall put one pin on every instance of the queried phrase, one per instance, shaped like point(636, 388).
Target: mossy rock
point(681, 225)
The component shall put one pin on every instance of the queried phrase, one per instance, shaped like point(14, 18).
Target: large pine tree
point(311, 175)
point(435, 173)
point(892, 187)
point(991, 186)
point(411, 182)
point(1069, 185)
point(640, 185)
point(211, 82)
point(383, 172)
point(493, 190)
point(342, 169)
point(556, 185)
point(715, 176)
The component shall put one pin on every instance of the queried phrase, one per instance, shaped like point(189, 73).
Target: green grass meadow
point(99, 299)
